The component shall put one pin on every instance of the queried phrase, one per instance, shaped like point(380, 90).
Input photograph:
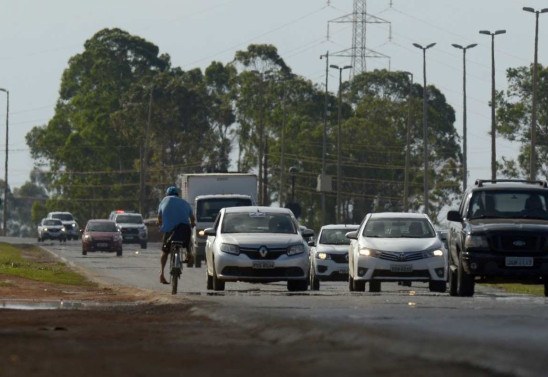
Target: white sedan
point(329, 255)
point(257, 244)
point(396, 247)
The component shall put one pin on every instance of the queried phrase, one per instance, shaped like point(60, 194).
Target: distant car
point(329, 255)
point(51, 229)
point(71, 226)
point(101, 235)
point(132, 226)
point(396, 247)
point(257, 244)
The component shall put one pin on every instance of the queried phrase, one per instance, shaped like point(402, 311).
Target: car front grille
point(253, 253)
point(512, 242)
point(339, 258)
point(130, 231)
point(401, 256)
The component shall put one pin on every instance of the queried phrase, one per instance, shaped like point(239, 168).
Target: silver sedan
point(257, 244)
point(397, 247)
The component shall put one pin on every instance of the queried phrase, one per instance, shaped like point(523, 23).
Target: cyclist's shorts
point(181, 233)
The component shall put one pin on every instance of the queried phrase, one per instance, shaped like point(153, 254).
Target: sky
point(37, 39)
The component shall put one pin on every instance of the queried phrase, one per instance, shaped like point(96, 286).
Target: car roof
point(514, 184)
point(340, 226)
point(257, 209)
point(101, 221)
point(400, 215)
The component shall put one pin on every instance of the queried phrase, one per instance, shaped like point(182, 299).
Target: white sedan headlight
point(367, 252)
point(476, 242)
point(230, 249)
point(295, 249)
point(433, 253)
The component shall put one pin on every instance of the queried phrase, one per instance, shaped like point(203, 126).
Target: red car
point(101, 235)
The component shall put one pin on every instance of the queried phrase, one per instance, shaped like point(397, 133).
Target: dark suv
point(499, 233)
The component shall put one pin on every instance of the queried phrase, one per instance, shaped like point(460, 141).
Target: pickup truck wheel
point(466, 283)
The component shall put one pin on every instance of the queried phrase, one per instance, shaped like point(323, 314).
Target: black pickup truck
point(499, 233)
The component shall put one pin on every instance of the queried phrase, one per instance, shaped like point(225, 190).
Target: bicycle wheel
point(176, 267)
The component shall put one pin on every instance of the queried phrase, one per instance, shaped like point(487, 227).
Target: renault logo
point(519, 243)
point(263, 251)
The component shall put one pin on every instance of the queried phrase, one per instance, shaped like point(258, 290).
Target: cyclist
point(176, 219)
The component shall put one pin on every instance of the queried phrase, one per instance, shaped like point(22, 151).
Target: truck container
point(207, 193)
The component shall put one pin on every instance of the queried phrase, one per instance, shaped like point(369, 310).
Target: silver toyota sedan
point(257, 244)
point(396, 247)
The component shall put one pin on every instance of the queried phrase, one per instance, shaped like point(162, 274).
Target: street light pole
point(339, 212)
point(425, 122)
point(493, 120)
point(532, 158)
point(407, 145)
point(324, 139)
point(464, 131)
point(5, 212)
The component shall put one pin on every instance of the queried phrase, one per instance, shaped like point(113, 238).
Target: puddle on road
point(54, 305)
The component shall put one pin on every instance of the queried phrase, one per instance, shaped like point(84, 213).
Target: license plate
point(519, 261)
point(102, 244)
point(263, 264)
point(401, 268)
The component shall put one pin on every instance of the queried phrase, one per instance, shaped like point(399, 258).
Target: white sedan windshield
point(258, 222)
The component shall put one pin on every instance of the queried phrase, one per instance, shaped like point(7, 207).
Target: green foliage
point(13, 263)
point(514, 111)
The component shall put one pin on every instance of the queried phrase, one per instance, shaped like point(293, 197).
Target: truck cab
point(207, 208)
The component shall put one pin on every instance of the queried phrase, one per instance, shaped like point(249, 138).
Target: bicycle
point(175, 264)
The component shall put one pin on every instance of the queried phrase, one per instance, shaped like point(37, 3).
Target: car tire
point(209, 282)
point(545, 279)
point(437, 286)
point(314, 281)
point(197, 262)
point(119, 252)
point(84, 251)
point(350, 283)
point(374, 286)
point(465, 282)
point(359, 285)
point(453, 283)
point(143, 245)
point(217, 284)
point(39, 239)
point(297, 285)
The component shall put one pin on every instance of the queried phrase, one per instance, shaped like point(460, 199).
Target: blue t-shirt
point(174, 211)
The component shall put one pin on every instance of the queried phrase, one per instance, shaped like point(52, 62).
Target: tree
point(514, 119)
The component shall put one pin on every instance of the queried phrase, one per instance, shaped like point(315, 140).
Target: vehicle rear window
point(208, 209)
point(102, 227)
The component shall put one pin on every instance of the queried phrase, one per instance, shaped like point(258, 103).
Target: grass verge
point(526, 289)
point(32, 263)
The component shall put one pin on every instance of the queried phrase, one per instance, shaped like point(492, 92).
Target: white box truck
point(208, 193)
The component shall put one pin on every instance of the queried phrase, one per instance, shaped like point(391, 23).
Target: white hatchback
point(257, 244)
point(396, 247)
point(329, 255)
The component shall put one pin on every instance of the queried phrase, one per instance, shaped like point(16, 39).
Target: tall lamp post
point(407, 144)
point(464, 131)
point(493, 121)
point(425, 122)
point(339, 212)
point(5, 213)
point(324, 138)
point(533, 162)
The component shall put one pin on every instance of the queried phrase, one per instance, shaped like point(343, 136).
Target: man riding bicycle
point(176, 220)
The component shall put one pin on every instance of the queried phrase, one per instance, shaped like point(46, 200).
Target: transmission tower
point(359, 52)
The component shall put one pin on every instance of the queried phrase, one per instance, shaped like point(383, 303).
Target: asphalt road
point(495, 333)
